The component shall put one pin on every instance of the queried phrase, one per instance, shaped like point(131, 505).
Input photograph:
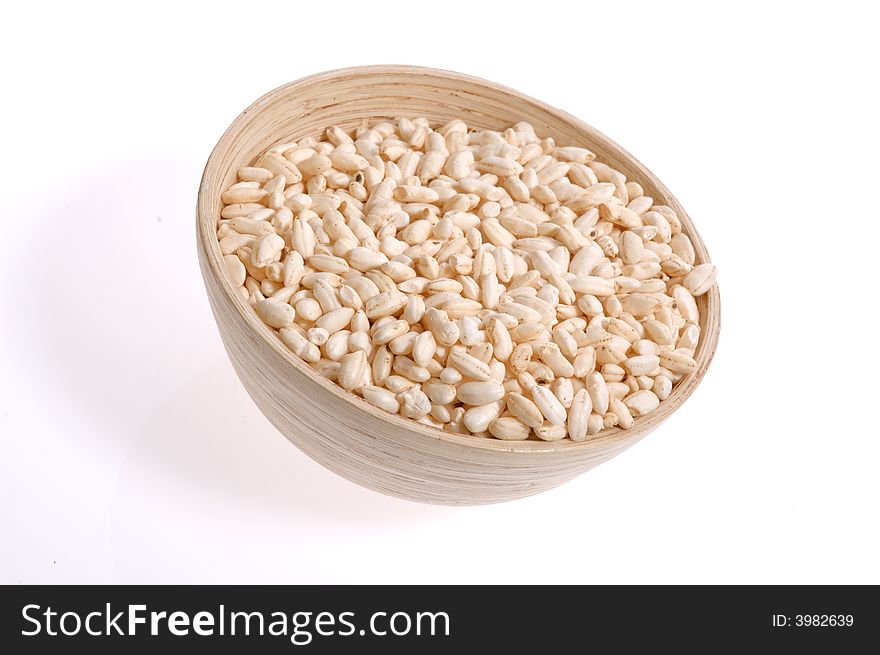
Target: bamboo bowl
point(383, 452)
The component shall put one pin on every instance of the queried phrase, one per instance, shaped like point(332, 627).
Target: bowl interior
point(348, 97)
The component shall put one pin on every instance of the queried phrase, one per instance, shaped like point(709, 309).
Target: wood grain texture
point(388, 453)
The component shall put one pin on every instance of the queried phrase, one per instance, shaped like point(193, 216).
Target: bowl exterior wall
point(364, 448)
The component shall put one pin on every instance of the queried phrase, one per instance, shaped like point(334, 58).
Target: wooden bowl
point(384, 452)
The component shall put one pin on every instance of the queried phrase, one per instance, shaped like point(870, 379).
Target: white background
point(130, 452)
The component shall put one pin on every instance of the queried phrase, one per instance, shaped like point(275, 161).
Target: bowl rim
point(209, 252)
